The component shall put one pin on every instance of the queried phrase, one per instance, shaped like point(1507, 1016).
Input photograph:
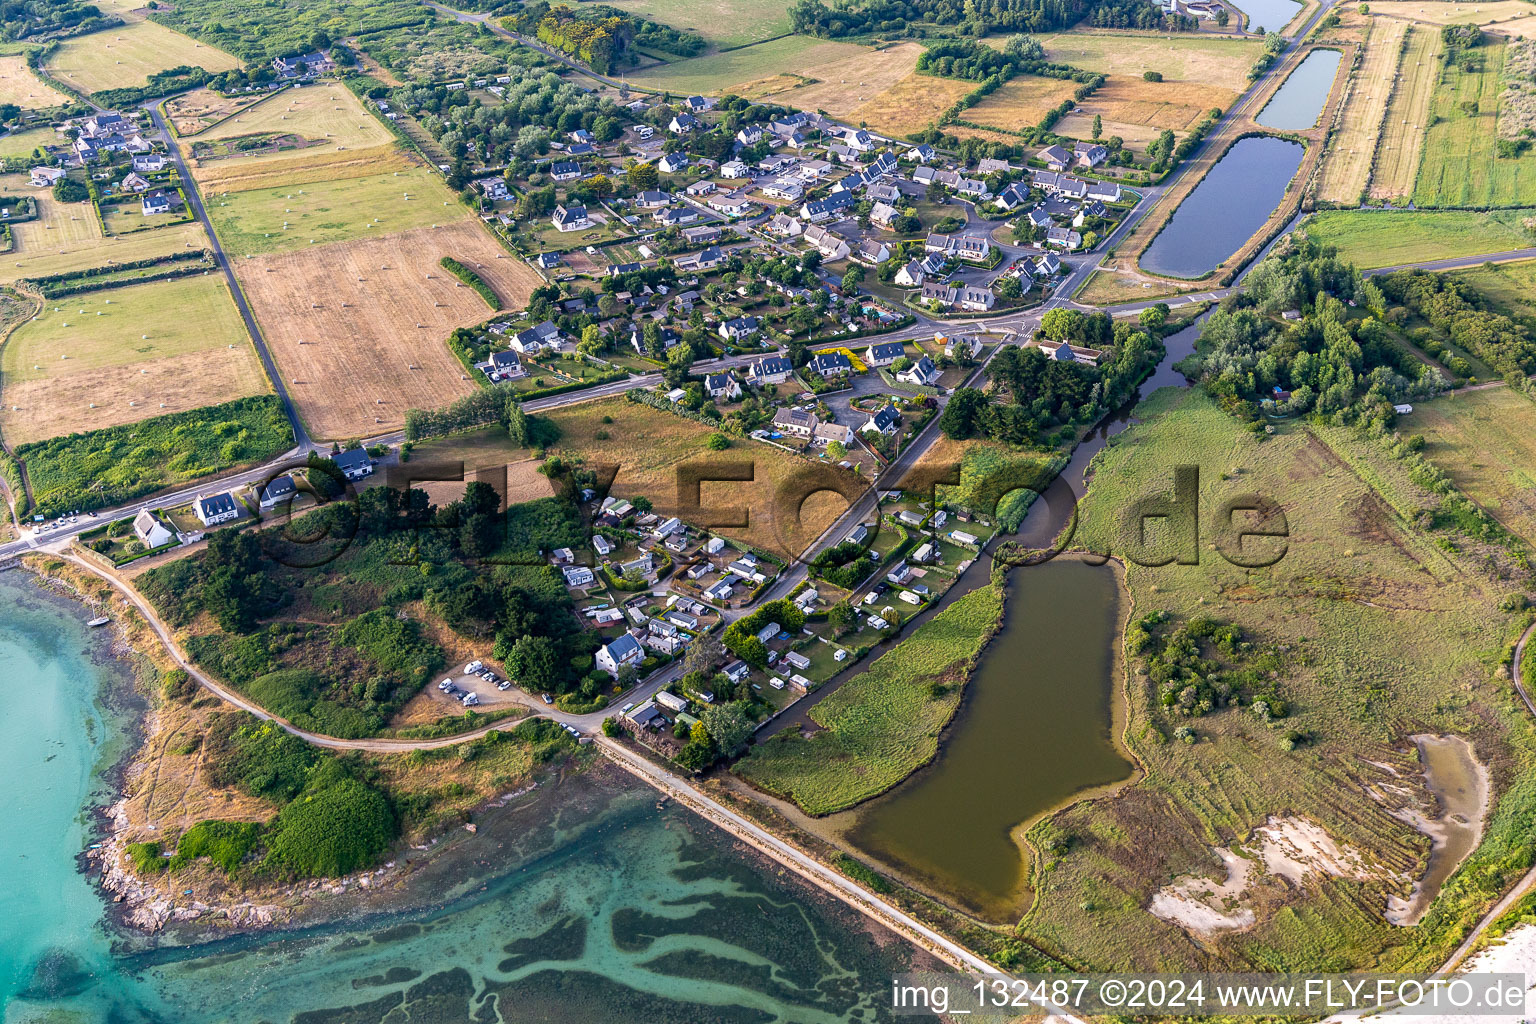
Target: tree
point(534, 663)
point(1061, 324)
point(599, 185)
point(640, 176)
point(852, 279)
point(1153, 317)
point(1152, 76)
point(962, 417)
point(1009, 287)
point(837, 450)
point(717, 442)
point(704, 654)
point(1222, 17)
point(67, 190)
point(728, 725)
point(591, 336)
point(679, 363)
point(842, 615)
point(699, 753)
point(1098, 127)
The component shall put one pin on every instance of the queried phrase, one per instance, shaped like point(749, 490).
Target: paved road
point(1459, 262)
point(300, 435)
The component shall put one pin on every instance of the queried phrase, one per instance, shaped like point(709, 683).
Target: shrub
point(337, 825)
point(226, 843)
point(146, 858)
point(1152, 76)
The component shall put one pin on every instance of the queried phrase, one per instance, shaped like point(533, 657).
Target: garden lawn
point(883, 724)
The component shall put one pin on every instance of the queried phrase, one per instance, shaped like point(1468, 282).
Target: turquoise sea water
point(583, 902)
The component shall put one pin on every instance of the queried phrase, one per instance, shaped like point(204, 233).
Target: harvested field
point(327, 113)
point(1461, 166)
point(1486, 442)
point(330, 133)
point(53, 408)
point(720, 22)
point(1134, 108)
point(165, 346)
point(1219, 62)
point(841, 86)
point(1448, 12)
point(911, 105)
point(1021, 102)
point(1347, 167)
point(196, 111)
point(966, 132)
point(118, 58)
point(719, 72)
point(1401, 142)
point(19, 85)
point(67, 236)
point(347, 322)
point(281, 219)
point(1136, 137)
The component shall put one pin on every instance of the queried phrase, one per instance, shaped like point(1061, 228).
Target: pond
point(1232, 202)
point(1460, 787)
point(1036, 728)
point(1296, 105)
point(1270, 15)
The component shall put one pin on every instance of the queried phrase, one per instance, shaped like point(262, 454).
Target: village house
point(1055, 158)
point(682, 123)
point(721, 387)
point(740, 328)
point(730, 204)
point(133, 182)
point(734, 169)
point(572, 218)
point(652, 200)
point(922, 373)
point(1065, 353)
point(836, 204)
point(354, 463)
point(577, 575)
point(800, 422)
point(971, 248)
point(157, 202)
point(673, 216)
point(46, 177)
point(769, 370)
point(882, 421)
point(278, 491)
point(871, 250)
point(1088, 154)
point(831, 246)
point(827, 432)
point(702, 233)
point(536, 339)
point(884, 353)
point(783, 188)
point(785, 226)
point(830, 364)
point(214, 509)
point(624, 651)
point(151, 532)
point(673, 162)
point(702, 187)
point(883, 215)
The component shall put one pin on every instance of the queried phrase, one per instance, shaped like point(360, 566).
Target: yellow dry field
point(343, 141)
point(123, 354)
point(67, 236)
point(195, 111)
point(962, 131)
point(910, 105)
point(1438, 12)
point(19, 85)
point(839, 86)
point(118, 58)
point(1136, 137)
point(1220, 62)
point(1402, 135)
point(1124, 101)
point(358, 328)
point(1515, 28)
point(1021, 102)
point(1347, 169)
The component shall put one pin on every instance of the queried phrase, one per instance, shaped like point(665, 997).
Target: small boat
point(101, 621)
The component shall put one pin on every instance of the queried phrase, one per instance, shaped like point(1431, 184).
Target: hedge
point(472, 279)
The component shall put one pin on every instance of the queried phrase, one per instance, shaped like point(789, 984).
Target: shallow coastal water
point(583, 901)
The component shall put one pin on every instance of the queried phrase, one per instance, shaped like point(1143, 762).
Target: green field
point(1486, 441)
point(718, 72)
point(114, 466)
point(1460, 166)
point(20, 145)
point(883, 724)
point(107, 328)
point(251, 223)
point(1391, 239)
point(127, 55)
point(1511, 287)
point(720, 22)
point(1378, 633)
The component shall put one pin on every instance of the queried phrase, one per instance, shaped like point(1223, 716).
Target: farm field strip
point(1347, 168)
point(1020, 102)
point(911, 104)
point(1461, 166)
point(326, 111)
point(1401, 143)
point(21, 86)
point(1486, 442)
point(125, 56)
point(1222, 63)
point(1390, 238)
point(195, 111)
point(720, 22)
point(347, 322)
point(1449, 12)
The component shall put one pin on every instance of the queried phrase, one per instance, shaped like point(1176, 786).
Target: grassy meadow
point(251, 223)
point(883, 724)
point(1486, 442)
point(719, 72)
point(1390, 239)
point(722, 23)
point(1379, 632)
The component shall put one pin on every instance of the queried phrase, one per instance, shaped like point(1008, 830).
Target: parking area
point(475, 685)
